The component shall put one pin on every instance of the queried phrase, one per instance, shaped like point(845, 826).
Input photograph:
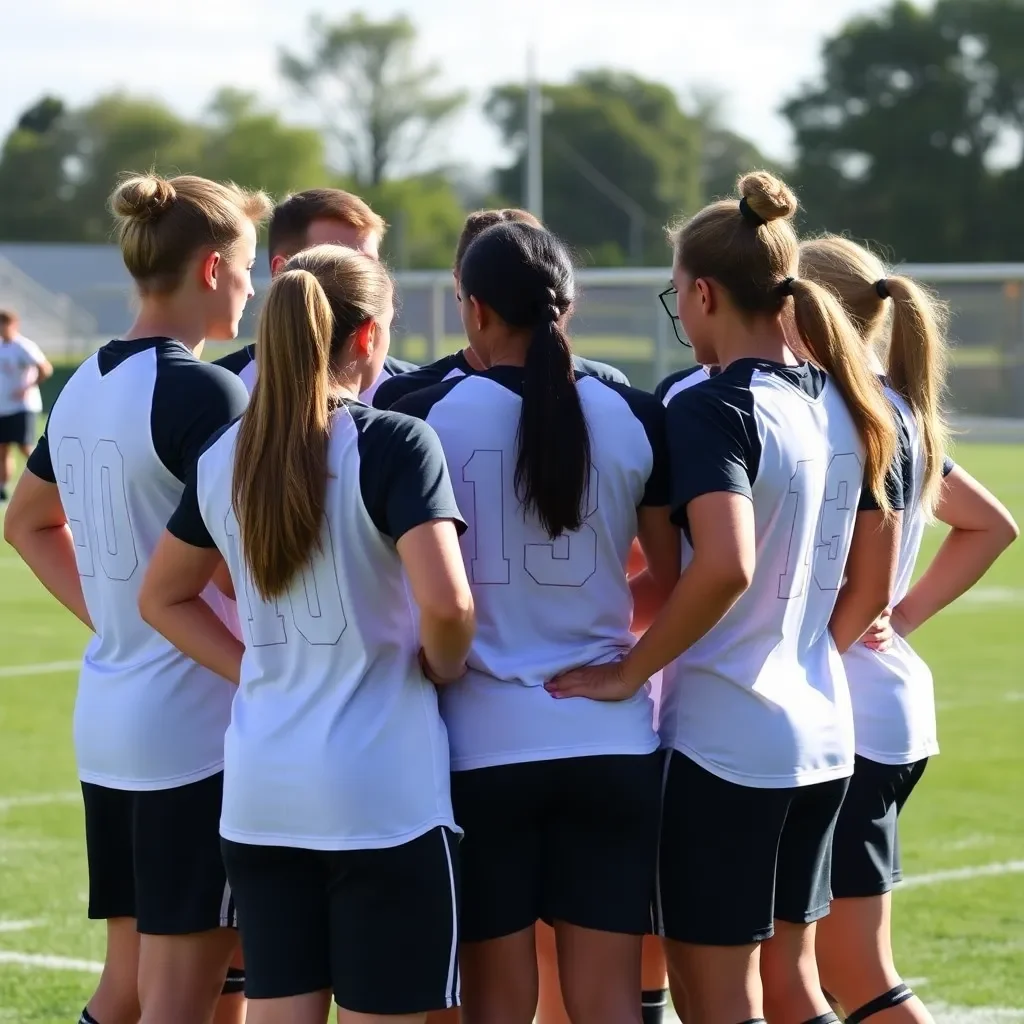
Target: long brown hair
point(163, 222)
point(750, 248)
point(916, 336)
point(280, 475)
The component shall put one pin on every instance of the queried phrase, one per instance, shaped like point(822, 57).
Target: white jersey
point(243, 364)
point(762, 699)
point(892, 692)
point(335, 739)
point(18, 358)
point(122, 436)
point(544, 606)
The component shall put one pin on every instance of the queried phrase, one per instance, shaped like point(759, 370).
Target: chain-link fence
point(618, 318)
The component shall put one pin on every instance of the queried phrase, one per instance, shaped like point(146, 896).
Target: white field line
point(53, 963)
point(1009, 867)
point(18, 926)
point(45, 668)
point(38, 799)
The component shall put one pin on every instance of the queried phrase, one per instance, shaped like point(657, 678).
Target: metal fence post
point(436, 338)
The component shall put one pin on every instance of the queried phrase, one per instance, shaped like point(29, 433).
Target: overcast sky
point(755, 52)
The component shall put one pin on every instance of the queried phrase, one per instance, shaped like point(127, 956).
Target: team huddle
point(367, 713)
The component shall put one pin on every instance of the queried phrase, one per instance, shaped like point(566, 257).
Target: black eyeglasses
point(669, 300)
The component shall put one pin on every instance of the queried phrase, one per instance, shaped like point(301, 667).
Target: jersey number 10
point(96, 506)
point(312, 607)
point(567, 561)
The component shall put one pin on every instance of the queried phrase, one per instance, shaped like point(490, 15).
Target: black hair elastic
point(751, 216)
point(882, 288)
point(786, 287)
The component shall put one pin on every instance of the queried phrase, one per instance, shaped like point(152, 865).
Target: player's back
point(332, 698)
point(892, 691)
point(118, 486)
point(769, 669)
point(543, 605)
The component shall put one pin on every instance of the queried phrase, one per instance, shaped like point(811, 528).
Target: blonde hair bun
point(768, 197)
point(142, 197)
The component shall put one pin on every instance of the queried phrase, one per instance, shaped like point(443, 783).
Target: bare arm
point(722, 528)
point(659, 542)
point(38, 530)
point(433, 562)
point(170, 602)
point(982, 529)
point(870, 576)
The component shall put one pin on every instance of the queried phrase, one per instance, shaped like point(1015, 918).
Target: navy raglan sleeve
point(403, 475)
point(40, 463)
point(899, 481)
point(712, 445)
point(603, 371)
point(191, 402)
point(186, 521)
point(236, 361)
point(948, 465)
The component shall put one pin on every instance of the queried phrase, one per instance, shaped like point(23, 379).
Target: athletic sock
point(87, 1017)
point(825, 1018)
point(235, 982)
point(652, 1004)
point(895, 996)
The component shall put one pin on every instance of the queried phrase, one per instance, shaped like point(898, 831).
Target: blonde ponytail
point(917, 371)
point(836, 347)
point(280, 472)
point(915, 321)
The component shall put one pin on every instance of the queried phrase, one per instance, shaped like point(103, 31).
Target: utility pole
point(534, 135)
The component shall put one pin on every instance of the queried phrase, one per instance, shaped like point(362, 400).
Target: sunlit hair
point(479, 221)
point(751, 250)
point(162, 223)
point(292, 217)
point(906, 323)
point(312, 309)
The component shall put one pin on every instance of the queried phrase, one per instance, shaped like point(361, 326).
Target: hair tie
point(751, 216)
point(882, 288)
point(786, 287)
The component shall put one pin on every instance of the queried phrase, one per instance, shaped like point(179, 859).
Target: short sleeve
point(899, 481)
point(948, 465)
point(191, 402)
point(186, 522)
point(40, 463)
point(712, 445)
point(650, 414)
point(403, 475)
point(33, 353)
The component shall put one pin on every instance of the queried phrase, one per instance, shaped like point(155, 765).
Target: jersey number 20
point(96, 506)
point(825, 558)
point(567, 561)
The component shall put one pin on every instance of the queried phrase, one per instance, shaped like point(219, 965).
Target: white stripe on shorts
point(659, 913)
point(228, 914)
point(453, 990)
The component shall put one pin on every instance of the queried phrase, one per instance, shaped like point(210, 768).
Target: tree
point(253, 147)
point(619, 158)
point(379, 106)
point(33, 192)
point(900, 138)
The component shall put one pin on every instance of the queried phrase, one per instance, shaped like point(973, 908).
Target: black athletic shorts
point(155, 855)
point(734, 858)
point(18, 428)
point(866, 849)
point(378, 927)
point(573, 839)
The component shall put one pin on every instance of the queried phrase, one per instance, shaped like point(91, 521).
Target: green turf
point(965, 937)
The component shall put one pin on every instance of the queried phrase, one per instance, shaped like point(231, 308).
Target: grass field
point(959, 921)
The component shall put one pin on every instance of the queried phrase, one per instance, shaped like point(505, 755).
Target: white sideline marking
point(1009, 867)
point(993, 595)
point(53, 963)
point(18, 926)
point(37, 799)
point(45, 668)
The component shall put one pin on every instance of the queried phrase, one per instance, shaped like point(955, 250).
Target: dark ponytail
point(525, 275)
